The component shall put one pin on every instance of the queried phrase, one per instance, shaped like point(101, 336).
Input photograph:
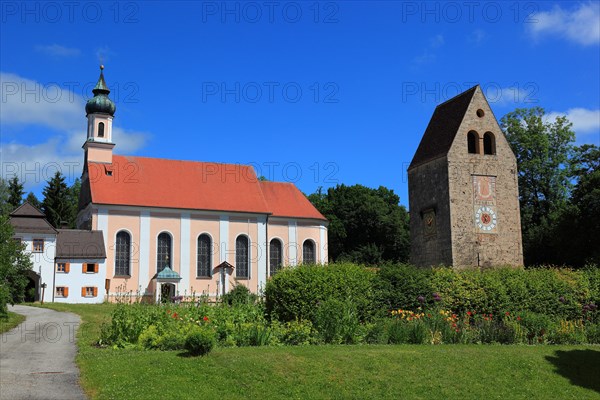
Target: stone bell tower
point(463, 189)
point(100, 111)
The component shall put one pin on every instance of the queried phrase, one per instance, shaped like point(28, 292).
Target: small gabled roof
point(28, 219)
point(80, 244)
point(27, 210)
point(286, 200)
point(442, 128)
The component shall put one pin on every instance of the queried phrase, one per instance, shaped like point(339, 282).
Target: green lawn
point(336, 372)
point(12, 321)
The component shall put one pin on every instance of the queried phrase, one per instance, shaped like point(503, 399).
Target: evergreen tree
point(5, 206)
point(74, 191)
point(15, 192)
point(56, 203)
point(33, 200)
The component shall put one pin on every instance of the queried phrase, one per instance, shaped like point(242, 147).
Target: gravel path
point(37, 358)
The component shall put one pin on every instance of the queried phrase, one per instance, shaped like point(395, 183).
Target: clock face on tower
point(485, 218)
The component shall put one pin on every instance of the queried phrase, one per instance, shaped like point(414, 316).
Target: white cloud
point(477, 37)
point(56, 50)
point(436, 41)
point(586, 122)
point(25, 106)
point(581, 25)
point(505, 96)
point(428, 56)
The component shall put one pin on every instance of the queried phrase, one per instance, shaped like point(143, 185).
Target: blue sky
point(315, 93)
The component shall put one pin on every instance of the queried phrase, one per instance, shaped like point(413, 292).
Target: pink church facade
point(183, 228)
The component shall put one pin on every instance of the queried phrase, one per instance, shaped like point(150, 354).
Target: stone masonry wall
point(428, 191)
point(503, 247)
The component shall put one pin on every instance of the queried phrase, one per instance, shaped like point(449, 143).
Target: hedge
point(296, 293)
point(556, 292)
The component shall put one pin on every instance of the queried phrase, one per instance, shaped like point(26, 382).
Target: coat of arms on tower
point(484, 201)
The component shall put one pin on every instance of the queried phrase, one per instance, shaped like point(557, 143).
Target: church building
point(181, 228)
point(463, 189)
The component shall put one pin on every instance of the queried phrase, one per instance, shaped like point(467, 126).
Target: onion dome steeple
point(100, 103)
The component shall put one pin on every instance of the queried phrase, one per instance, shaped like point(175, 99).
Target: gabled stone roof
point(442, 128)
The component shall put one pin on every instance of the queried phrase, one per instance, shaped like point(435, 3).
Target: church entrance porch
point(166, 285)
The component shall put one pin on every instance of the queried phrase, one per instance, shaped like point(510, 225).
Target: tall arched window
point(204, 266)
point(489, 143)
point(123, 254)
point(473, 142)
point(163, 252)
point(242, 257)
point(275, 256)
point(101, 129)
point(308, 252)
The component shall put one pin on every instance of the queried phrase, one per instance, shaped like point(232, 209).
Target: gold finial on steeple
point(101, 67)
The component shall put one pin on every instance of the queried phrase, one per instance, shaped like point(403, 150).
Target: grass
point(11, 322)
point(335, 372)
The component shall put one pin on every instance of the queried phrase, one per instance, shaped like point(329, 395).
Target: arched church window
point(275, 256)
point(123, 254)
point(489, 143)
point(308, 252)
point(473, 142)
point(101, 129)
point(163, 251)
point(242, 256)
point(204, 256)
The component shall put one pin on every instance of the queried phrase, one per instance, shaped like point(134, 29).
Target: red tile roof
point(161, 183)
point(285, 200)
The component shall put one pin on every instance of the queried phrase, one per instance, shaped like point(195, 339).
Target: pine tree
point(15, 192)
point(74, 191)
point(33, 200)
point(5, 206)
point(56, 204)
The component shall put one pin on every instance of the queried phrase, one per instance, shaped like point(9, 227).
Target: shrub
point(337, 321)
point(200, 341)
point(297, 333)
point(398, 331)
point(568, 332)
point(592, 333)
point(4, 300)
point(240, 294)
point(295, 293)
point(556, 292)
point(536, 326)
point(378, 332)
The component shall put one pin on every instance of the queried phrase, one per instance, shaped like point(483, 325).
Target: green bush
point(592, 333)
point(536, 326)
point(4, 300)
point(297, 333)
point(377, 332)
point(337, 321)
point(295, 293)
point(397, 331)
point(556, 292)
point(240, 294)
point(200, 341)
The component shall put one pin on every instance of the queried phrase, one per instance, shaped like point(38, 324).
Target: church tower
point(100, 111)
point(463, 189)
